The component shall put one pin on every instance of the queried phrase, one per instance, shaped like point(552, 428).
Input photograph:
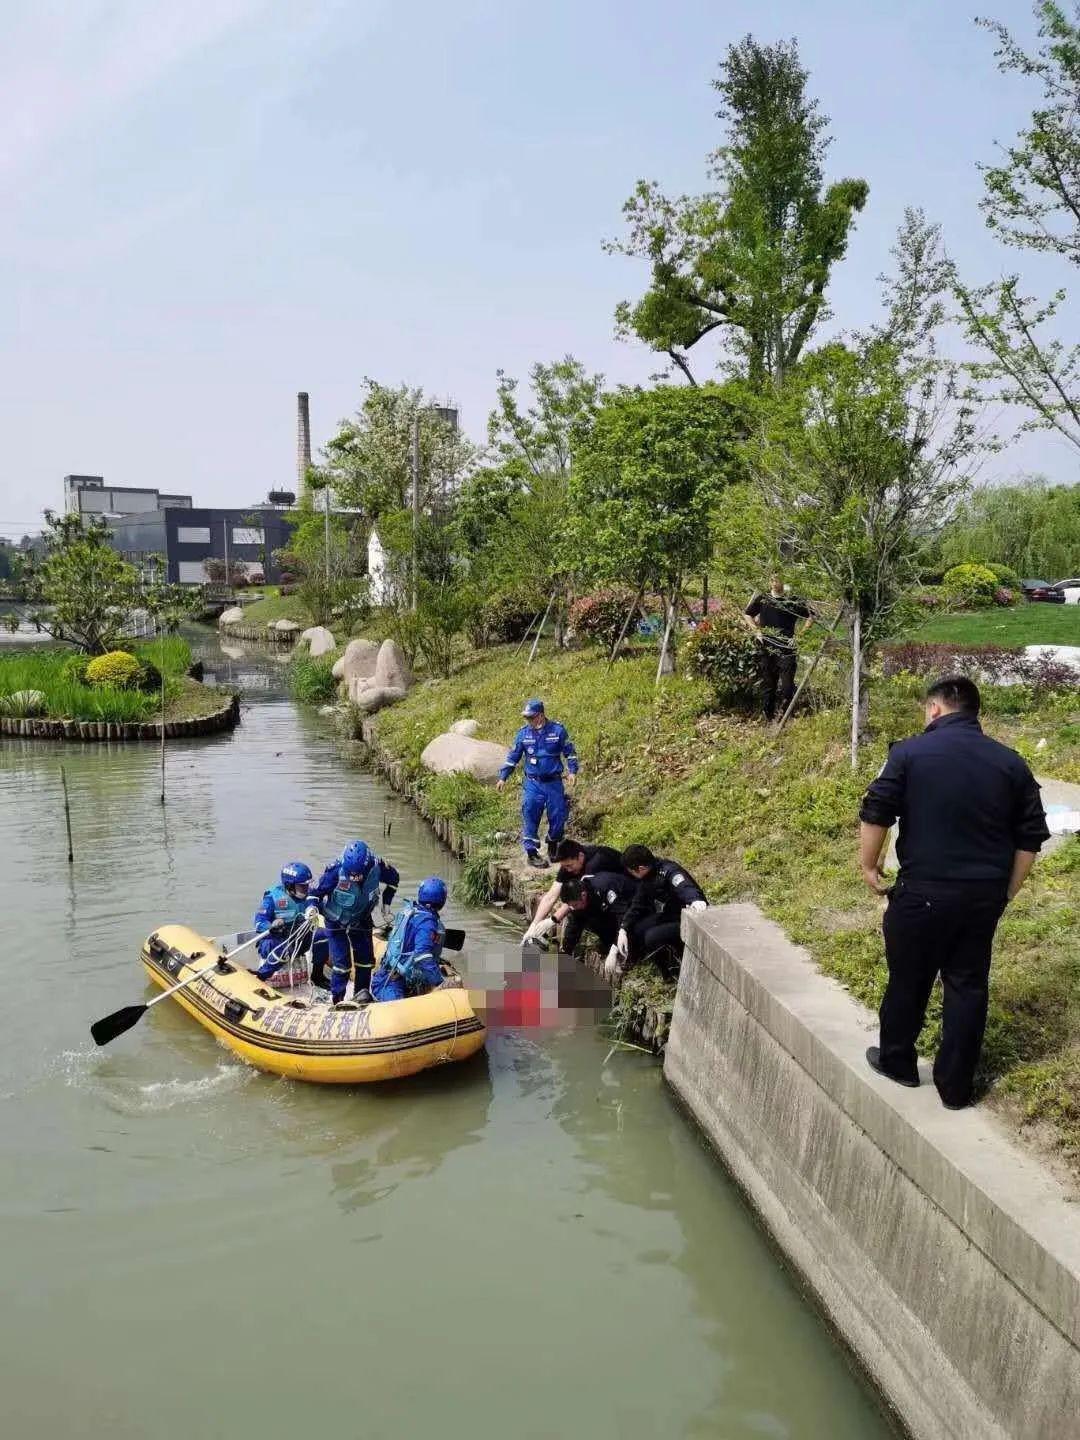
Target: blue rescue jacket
point(347, 902)
point(278, 904)
point(415, 946)
point(543, 752)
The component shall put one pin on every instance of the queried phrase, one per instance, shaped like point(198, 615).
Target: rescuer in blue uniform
point(410, 963)
point(349, 891)
point(543, 744)
point(283, 920)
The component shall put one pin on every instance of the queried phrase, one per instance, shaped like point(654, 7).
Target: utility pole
point(415, 507)
point(225, 536)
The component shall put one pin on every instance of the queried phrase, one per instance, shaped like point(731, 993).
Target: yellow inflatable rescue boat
point(295, 1035)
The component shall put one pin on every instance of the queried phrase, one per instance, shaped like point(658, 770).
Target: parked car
point(1070, 590)
point(1042, 590)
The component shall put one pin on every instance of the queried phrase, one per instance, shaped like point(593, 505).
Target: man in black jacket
point(773, 618)
point(971, 823)
point(597, 903)
point(575, 860)
point(651, 925)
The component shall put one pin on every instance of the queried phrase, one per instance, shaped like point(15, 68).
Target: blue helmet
point(432, 892)
point(532, 708)
point(356, 858)
point(295, 873)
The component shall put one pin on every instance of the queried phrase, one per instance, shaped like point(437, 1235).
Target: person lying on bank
point(411, 961)
point(651, 925)
point(597, 903)
point(285, 919)
point(575, 860)
point(349, 891)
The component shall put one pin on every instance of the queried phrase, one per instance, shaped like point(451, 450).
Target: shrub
point(601, 615)
point(988, 664)
point(930, 599)
point(502, 618)
point(74, 668)
point(1006, 576)
point(969, 587)
point(148, 679)
point(1004, 596)
point(311, 681)
point(116, 670)
point(722, 651)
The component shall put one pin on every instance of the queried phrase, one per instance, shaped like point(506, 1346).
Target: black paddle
point(119, 1021)
point(454, 940)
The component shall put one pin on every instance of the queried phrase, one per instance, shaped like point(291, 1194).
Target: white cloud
point(65, 64)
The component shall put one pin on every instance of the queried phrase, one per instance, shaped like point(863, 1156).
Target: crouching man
point(651, 927)
point(410, 963)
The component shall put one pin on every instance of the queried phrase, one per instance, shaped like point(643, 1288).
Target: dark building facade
point(188, 538)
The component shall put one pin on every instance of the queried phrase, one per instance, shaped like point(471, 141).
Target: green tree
point(87, 590)
point(329, 562)
point(1032, 201)
point(750, 260)
point(368, 462)
point(1033, 526)
point(646, 476)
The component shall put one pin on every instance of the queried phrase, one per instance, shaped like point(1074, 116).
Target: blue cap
point(533, 707)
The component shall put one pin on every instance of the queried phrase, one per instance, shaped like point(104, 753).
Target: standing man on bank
point(773, 618)
point(543, 744)
point(971, 823)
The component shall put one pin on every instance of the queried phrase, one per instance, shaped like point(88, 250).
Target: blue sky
point(210, 207)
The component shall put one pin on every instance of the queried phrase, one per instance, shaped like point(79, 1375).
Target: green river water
point(535, 1244)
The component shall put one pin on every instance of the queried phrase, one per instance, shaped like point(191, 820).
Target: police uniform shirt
point(669, 889)
point(597, 858)
point(965, 804)
point(609, 893)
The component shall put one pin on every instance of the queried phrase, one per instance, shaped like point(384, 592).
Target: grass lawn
point(1024, 624)
point(276, 607)
point(776, 822)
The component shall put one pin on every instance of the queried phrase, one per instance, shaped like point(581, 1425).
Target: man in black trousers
point(971, 823)
point(773, 618)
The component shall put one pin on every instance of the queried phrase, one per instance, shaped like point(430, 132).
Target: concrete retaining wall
point(948, 1259)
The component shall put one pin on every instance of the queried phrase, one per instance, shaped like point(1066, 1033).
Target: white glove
point(311, 915)
point(538, 930)
point(622, 944)
point(697, 905)
point(611, 963)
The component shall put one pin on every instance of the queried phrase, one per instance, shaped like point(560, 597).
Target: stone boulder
point(338, 671)
point(286, 627)
point(482, 759)
point(391, 667)
point(464, 727)
point(358, 662)
point(369, 698)
point(23, 703)
point(233, 616)
point(319, 641)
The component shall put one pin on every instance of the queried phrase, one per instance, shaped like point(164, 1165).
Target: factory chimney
point(303, 442)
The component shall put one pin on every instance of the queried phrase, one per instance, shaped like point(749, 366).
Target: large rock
point(23, 703)
point(464, 727)
point(369, 698)
point(358, 662)
point(338, 670)
point(480, 758)
point(319, 641)
point(286, 627)
point(233, 616)
point(391, 667)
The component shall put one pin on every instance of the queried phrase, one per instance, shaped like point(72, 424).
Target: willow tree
point(749, 261)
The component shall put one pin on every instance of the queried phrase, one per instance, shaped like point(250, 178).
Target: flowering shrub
point(1004, 596)
point(969, 587)
point(722, 651)
point(992, 664)
point(118, 670)
point(601, 615)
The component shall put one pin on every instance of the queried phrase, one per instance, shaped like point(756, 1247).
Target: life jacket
point(351, 899)
point(400, 953)
point(286, 906)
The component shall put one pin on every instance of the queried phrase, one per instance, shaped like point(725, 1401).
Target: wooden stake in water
point(67, 816)
point(163, 720)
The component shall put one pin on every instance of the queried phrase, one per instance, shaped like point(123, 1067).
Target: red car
point(1042, 590)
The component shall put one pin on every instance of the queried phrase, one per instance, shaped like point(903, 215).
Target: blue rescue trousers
point(350, 952)
point(536, 797)
point(426, 976)
point(274, 950)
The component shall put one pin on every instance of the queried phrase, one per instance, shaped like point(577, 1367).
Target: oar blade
point(453, 940)
point(115, 1024)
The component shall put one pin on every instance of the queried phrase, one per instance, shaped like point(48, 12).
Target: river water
point(535, 1244)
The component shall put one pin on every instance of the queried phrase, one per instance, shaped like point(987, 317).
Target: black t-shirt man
point(777, 616)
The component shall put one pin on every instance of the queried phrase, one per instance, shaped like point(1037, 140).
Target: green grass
point(311, 681)
point(1023, 624)
point(776, 822)
point(276, 607)
point(43, 670)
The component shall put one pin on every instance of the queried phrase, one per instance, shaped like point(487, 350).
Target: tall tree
point(749, 261)
point(1032, 201)
point(536, 440)
point(369, 461)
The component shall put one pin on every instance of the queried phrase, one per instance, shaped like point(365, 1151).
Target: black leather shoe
point(954, 1104)
point(873, 1059)
point(363, 997)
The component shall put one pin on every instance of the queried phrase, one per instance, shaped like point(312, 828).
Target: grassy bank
point(1024, 624)
point(776, 822)
point(276, 607)
point(54, 673)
